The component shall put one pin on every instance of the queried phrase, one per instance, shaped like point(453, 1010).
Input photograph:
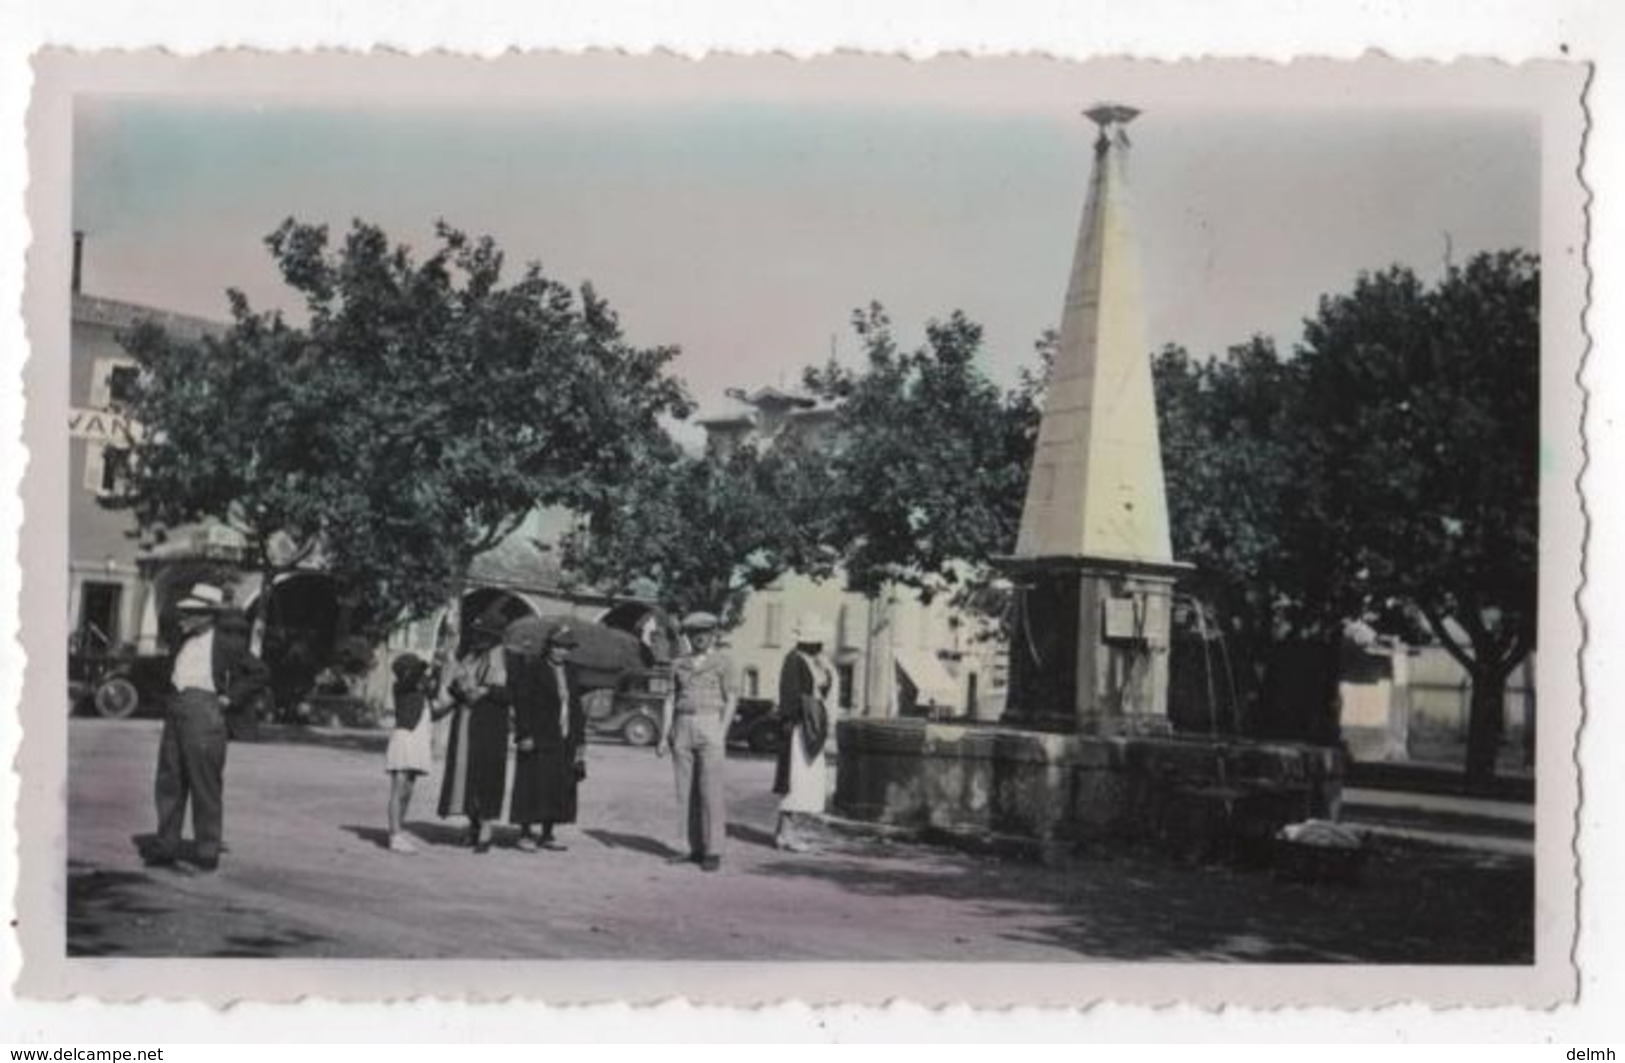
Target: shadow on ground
point(285, 734)
point(100, 900)
point(751, 835)
point(146, 848)
point(377, 836)
point(430, 832)
point(265, 945)
point(636, 843)
point(130, 913)
point(1416, 904)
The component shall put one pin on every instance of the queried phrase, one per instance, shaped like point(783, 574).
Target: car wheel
point(117, 698)
point(639, 731)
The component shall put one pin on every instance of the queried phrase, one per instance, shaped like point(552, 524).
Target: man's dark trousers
point(191, 766)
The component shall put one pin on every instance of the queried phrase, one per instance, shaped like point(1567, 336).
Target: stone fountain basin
point(1192, 796)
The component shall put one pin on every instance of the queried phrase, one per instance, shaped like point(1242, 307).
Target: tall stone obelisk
point(1093, 566)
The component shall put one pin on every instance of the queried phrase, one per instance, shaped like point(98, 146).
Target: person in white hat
point(694, 725)
point(209, 677)
point(806, 681)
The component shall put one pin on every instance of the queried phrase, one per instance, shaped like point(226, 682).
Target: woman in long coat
point(477, 753)
point(550, 730)
point(806, 681)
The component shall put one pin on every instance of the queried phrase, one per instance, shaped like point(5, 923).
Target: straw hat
point(202, 598)
point(812, 629)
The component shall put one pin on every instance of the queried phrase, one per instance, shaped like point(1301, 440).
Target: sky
point(743, 209)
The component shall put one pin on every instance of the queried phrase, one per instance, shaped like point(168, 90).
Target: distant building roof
point(117, 314)
point(748, 408)
point(518, 561)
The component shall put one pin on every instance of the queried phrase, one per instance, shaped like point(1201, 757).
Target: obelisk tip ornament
point(1106, 115)
point(1096, 485)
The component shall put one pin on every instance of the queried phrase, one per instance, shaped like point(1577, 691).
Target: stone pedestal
point(1089, 646)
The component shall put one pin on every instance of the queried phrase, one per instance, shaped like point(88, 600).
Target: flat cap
point(700, 622)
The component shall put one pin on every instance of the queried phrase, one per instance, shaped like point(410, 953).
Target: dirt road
point(306, 874)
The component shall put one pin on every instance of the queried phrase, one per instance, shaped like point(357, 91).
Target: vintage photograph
point(768, 512)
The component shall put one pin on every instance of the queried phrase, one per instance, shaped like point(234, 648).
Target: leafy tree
point(1247, 511)
point(929, 476)
point(1387, 470)
point(706, 530)
point(409, 424)
point(1425, 408)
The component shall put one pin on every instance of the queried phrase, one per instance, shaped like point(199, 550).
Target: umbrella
point(601, 657)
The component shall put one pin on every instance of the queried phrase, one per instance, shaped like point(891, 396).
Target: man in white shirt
point(192, 751)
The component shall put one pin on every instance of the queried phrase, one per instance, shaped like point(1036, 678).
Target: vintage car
point(632, 710)
point(624, 679)
point(116, 683)
point(757, 726)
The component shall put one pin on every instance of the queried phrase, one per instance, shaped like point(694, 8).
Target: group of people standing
point(495, 697)
point(489, 686)
point(499, 699)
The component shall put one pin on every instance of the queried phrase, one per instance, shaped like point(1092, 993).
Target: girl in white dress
point(409, 754)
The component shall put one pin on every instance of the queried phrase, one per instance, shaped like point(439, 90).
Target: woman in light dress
point(806, 684)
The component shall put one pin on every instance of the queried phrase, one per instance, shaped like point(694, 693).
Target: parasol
point(601, 657)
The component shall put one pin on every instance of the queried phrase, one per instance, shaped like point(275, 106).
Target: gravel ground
point(306, 874)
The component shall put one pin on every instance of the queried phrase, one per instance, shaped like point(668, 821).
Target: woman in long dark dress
point(477, 753)
point(550, 728)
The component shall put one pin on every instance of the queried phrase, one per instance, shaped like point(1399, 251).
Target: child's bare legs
point(400, 796)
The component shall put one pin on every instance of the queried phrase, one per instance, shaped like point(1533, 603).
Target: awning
point(926, 672)
point(209, 540)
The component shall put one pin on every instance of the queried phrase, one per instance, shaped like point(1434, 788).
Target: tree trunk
point(1486, 723)
point(880, 665)
point(1328, 696)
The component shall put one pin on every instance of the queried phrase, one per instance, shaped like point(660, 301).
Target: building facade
point(894, 653)
point(120, 585)
point(1412, 703)
point(110, 593)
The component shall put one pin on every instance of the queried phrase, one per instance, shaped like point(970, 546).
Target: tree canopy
point(1386, 472)
point(918, 483)
point(409, 423)
point(931, 467)
point(1426, 407)
point(705, 530)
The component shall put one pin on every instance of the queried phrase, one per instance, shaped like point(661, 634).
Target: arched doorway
point(651, 625)
point(477, 602)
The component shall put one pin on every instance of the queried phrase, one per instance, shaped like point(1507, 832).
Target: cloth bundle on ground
point(1321, 834)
